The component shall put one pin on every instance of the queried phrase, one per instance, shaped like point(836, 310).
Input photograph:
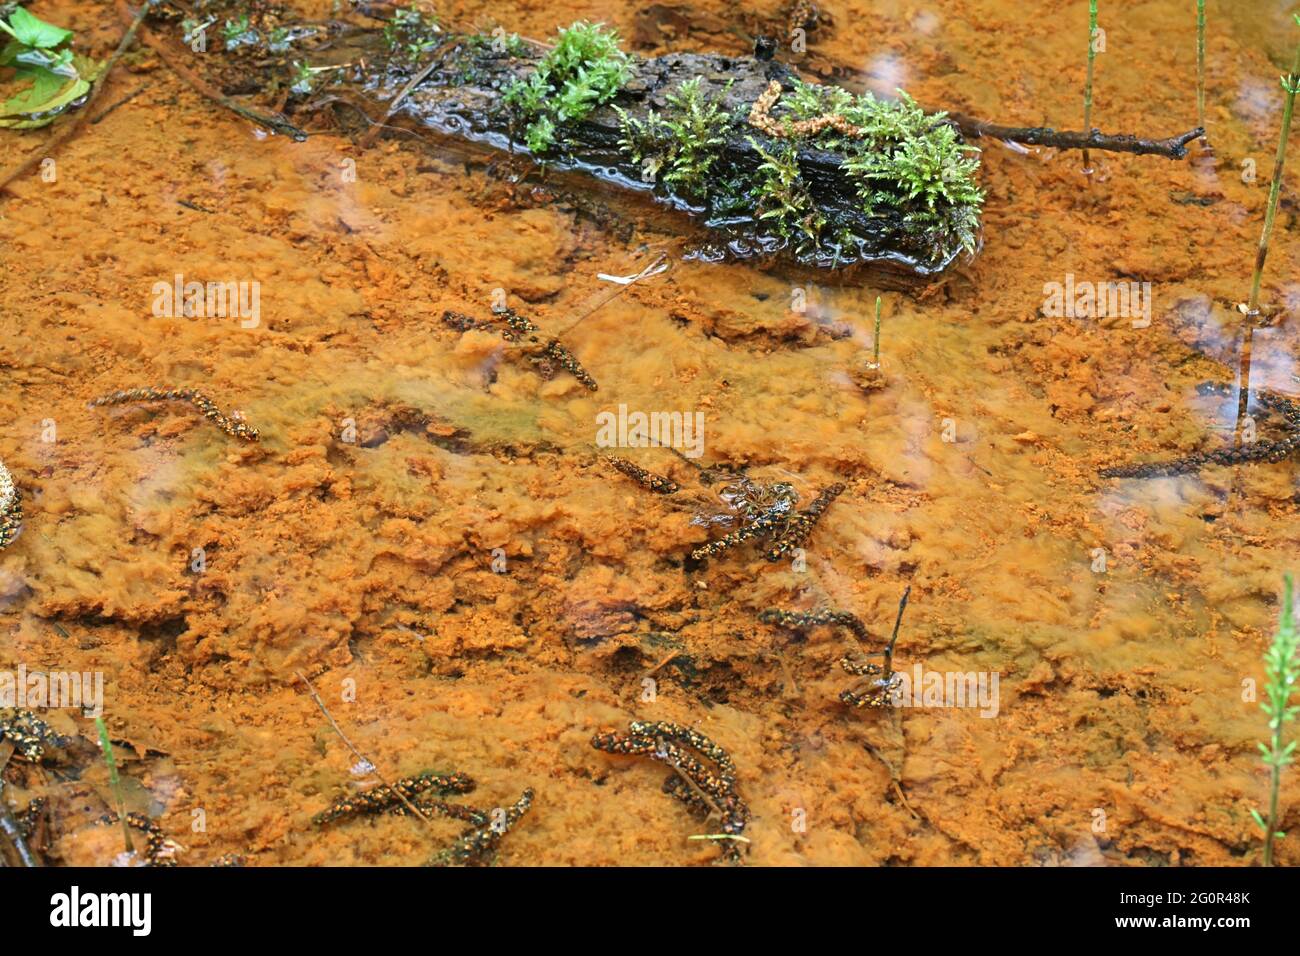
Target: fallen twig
point(275, 123)
point(1175, 147)
point(662, 664)
point(359, 755)
point(658, 265)
point(122, 102)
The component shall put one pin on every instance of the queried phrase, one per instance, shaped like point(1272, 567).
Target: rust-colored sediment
point(428, 530)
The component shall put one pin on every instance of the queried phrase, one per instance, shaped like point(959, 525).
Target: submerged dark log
point(461, 88)
point(592, 144)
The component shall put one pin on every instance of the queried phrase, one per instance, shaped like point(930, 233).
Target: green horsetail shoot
point(1087, 88)
point(1200, 69)
point(875, 359)
point(1290, 86)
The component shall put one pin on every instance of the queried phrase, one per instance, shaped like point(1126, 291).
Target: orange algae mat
point(427, 529)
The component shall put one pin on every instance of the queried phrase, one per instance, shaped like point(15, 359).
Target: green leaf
point(34, 32)
point(44, 87)
point(40, 103)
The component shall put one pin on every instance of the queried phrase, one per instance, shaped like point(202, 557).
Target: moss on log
point(768, 163)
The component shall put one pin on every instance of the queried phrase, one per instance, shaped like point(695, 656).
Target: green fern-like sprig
point(1282, 669)
point(583, 70)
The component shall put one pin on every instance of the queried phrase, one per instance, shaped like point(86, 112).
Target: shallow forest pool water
point(428, 532)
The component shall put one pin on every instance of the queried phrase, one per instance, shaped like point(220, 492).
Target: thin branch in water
point(122, 102)
point(658, 265)
point(893, 638)
point(972, 127)
point(359, 755)
point(10, 828)
point(275, 123)
point(1174, 147)
point(662, 664)
point(318, 103)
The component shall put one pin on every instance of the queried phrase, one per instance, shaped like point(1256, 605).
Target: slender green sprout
point(1283, 670)
point(107, 746)
point(1087, 89)
point(1200, 69)
point(1291, 85)
point(876, 343)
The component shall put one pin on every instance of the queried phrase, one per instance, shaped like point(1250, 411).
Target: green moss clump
point(907, 161)
point(585, 69)
point(783, 198)
point(913, 174)
point(908, 166)
point(685, 143)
